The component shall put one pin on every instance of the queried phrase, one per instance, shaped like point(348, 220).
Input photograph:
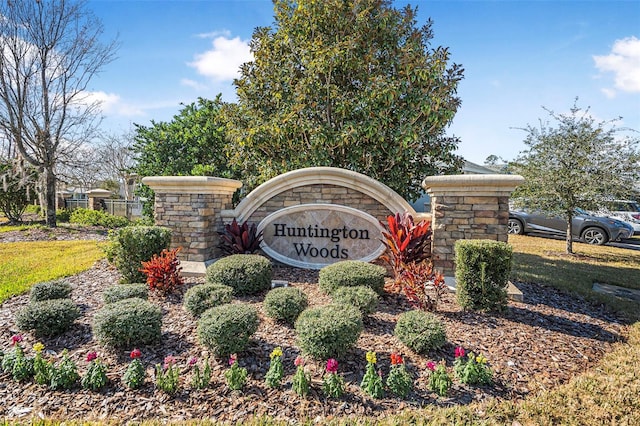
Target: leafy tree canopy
point(192, 143)
point(576, 162)
point(345, 83)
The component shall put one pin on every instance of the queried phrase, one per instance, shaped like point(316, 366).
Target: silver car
point(590, 229)
point(626, 211)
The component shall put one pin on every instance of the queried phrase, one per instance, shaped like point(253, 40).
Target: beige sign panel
point(315, 235)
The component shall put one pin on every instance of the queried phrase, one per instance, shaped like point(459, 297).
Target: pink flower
point(169, 360)
point(298, 361)
point(232, 359)
point(135, 354)
point(459, 352)
point(193, 361)
point(15, 339)
point(332, 365)
point(91, 356)
point(431, 366)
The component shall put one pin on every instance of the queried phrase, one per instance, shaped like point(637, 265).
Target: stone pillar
point(96, 199)
point(190, 206)
point(467, 207)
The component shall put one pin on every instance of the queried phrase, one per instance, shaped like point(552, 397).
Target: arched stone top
point(472, 184)
point(192, 184)
point(319, 175)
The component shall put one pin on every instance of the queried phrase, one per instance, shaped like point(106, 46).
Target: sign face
point(315, 235)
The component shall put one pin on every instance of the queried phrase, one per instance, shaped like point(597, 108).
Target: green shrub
point(351, 273)
point(226, 329)
point(363, 298)
point(120, 292)
point(420, 331)
point(328, 331)
point(246, 273)
point(97, 218)
point(482, 273)
point(63, 215)
point(48, 317)
point(131, 246)
point(201, 297)
point(48, 290)
point(128, 323)
point(285, 304)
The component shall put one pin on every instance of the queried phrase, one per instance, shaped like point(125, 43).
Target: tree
point(346, 83)
point(17, 189)
point(193, 143)
point(117, 159)
point(51, 50)
point(576, 163)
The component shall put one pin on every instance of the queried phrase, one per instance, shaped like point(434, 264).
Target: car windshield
point(580, 211)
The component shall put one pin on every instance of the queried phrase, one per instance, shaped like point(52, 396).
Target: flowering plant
point(275, 373)
point(167, 375)
point(200, 379)
point(163, 272)
point(65, 374)
point(133, 377)
point(16, 363)
point(399, 380)
point(372, 381)
point(332, 382)
point(439, 380)
point(472, 370)
point(41, 368)
point(236, 376)
point(96, 376)
point(301, 380)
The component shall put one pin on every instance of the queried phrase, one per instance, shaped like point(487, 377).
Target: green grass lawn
point(23, 264)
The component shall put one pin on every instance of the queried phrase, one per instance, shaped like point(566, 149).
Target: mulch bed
point(534, 345)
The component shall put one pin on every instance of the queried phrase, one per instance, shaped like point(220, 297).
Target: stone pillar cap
point(98, 193)
point(192, 184)
point(456, 183)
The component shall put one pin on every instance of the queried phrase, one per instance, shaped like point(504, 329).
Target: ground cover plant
point(562, 321)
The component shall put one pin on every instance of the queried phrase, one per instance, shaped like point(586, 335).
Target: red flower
point(298, 361)
point(135, 353)
point(193, 361)
point(91, 356)
point(431, 366)
point(232, 359)
point(332, 365)
point(396, 359)
point(15, 339)
point(169, 360)
point(459, 352)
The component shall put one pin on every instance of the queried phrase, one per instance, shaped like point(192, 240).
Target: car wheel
point(595, 236)
point(514, 226)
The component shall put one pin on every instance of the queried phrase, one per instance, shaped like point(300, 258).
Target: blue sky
point(518, 56)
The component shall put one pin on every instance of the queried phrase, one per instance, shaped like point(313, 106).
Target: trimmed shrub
point(58, 289)
point(482, 274)
point(351, 273)
point(128, 323)
point(246, 273)
point(420, 331)
point(363, 298)
point(131, 246)
point(226, 329)
point(201, 297)
point(120, 292)
point(328, 331)
point(47, 317)
point(97, 218)
point(62, 215)
point(285, 304)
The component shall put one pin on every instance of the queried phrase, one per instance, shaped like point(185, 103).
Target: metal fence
point(129, 209)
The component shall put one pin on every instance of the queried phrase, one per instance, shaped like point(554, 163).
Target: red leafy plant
point(423, 286)
point(406, 241)
point(240, 239)
point(163, 272)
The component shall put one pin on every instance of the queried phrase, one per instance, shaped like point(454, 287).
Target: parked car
point(590, 229)
point(624, 210)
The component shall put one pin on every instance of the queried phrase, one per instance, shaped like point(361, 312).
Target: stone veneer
point(467, 207)
point(190, 206)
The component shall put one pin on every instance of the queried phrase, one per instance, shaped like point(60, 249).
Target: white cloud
point(112, 104)
point(193, 84)
point(214, 34)
point(223, 61)
point(624, 62)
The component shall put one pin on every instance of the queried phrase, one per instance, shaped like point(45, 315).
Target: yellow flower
point(38, 347)
point(276, 352)
point(371, 357)
point(481, 359)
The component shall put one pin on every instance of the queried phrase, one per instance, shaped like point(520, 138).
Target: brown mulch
point(534, 345)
